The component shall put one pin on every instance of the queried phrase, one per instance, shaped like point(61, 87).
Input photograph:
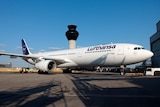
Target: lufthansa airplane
point(99, 55)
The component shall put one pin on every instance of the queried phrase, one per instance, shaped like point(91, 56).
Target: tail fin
point(25, 48)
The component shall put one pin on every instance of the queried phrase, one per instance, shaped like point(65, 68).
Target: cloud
point(54, 48)
point(2, 50)
point(2, 45)
point(79, 46)
point(19, 47)
point(41, 51)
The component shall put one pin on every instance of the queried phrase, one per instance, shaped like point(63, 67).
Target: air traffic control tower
point(72, 36)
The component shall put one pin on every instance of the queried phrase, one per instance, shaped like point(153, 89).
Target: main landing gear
point(68, 70)
point(42, 72)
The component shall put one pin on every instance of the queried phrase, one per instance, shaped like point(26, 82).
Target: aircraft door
point(120, 55)
point(120, 50)
point(80, 54)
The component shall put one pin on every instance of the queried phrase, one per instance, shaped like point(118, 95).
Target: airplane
point(108, 55)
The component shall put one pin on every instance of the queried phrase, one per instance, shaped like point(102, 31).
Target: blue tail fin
point(25, 48)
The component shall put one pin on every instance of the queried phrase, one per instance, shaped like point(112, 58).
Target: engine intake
point(46, 65)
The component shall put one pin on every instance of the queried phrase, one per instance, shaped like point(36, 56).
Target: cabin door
point(120, 50)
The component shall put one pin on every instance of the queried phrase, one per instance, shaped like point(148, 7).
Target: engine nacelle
point(46, 65)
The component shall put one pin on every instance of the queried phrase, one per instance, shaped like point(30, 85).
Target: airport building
point(8, 65)
point(155, 46)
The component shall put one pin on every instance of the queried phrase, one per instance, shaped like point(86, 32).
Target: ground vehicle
point(24, 70)
point(153, 71)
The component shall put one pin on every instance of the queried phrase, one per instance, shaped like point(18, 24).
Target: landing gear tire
point(42, 72)
point(68, 70)
point(39, 72)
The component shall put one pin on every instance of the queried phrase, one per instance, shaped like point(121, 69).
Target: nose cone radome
point(149, 54)
point(144, 55)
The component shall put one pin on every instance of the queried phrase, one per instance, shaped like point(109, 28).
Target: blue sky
point(43, 23)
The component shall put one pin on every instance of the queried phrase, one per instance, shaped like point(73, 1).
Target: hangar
point(155, 46)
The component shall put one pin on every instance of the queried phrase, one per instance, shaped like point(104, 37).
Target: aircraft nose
point(149, 54)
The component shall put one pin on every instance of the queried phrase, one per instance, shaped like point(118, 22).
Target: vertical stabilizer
point(25, 48)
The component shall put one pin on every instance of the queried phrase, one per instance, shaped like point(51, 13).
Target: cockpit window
point(135, 48)
point(138, 48)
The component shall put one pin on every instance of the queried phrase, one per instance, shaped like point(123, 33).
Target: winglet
point(25, 48)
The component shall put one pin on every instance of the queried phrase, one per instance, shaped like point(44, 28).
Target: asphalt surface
point(78, 90)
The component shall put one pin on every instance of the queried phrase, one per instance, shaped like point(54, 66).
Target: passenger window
point(138, 48)
point(135, 48)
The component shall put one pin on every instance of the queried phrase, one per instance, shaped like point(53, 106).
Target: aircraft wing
point(15, 55)
point(57, 60)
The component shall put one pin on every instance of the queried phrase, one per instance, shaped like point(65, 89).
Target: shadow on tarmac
point(147, 95)
point(39, 96)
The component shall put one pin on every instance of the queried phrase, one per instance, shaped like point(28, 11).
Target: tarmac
point(85, 89)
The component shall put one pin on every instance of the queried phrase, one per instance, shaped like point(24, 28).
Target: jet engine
point(45, 65)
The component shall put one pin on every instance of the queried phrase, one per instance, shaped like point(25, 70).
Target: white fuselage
point(100, 55)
